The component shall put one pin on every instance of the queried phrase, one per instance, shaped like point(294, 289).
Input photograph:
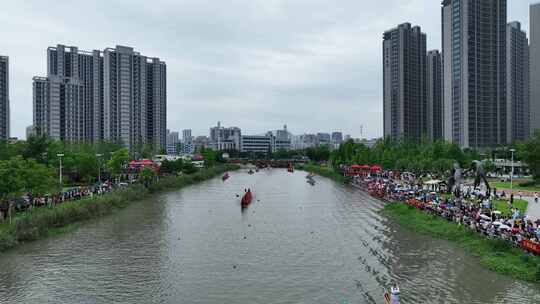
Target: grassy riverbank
point(43, 222)
point(327, 172)
point(493, 254)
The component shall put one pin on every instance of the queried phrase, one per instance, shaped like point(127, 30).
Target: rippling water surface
point(295, 244)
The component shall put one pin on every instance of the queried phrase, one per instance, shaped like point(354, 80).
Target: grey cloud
point(256, 64)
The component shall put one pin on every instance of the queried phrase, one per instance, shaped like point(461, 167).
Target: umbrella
point(497, 212)
point(485, 217)
point(505, 227)
point(497, 223)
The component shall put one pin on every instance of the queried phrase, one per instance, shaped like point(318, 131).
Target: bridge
point(263, 163)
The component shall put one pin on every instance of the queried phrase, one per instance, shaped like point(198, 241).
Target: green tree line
point(529, 152)
point(32, 166)
point(405, 155)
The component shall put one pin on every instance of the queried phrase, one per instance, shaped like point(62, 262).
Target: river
point(294, 244)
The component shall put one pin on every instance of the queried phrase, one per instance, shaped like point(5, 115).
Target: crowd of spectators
point(466, 206)
point(29, 201)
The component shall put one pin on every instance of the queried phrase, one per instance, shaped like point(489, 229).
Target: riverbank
point(327, 172)
point(496, 255)
point(42, 222)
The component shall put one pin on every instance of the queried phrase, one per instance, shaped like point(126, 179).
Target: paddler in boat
point(393, 297)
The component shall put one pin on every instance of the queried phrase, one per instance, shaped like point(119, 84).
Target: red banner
point(531, 246)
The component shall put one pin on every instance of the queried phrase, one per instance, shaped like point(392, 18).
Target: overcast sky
point(314, 65)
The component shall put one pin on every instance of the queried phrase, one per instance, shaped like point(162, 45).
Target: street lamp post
point(99, 167)
point(512, 174)
point(60, 157)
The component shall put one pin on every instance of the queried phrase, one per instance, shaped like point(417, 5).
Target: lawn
point(502, 206)
point(516, 186)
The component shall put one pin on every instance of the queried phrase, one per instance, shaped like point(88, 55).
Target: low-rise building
point(200, 142)
point(283, 139)
point(259, 143)
point(222, 138)
point(323, 138)
point(337, 138)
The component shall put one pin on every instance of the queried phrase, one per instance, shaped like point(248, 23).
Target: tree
point(39, 179)
point(529, 151)
point(118, 161)
point(172, 167)
point(37, 148)
point(18, 175)
point(489, 166)
point(147, 151)
point(210, 156)
point(147, 175)
point(318, 154)
point(189, 168)
point(11, 181)
point(85, 165)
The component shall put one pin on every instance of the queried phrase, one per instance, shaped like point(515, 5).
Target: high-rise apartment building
point(135, 98)
point(517, 83)
point(434, 110)
point(68, 70)
point(4, 97)
point(116, 95)
point(535, 66)
point(173, 143)
point(474, 72)
point(186, 135)
point(404, 82)
point(58, 108)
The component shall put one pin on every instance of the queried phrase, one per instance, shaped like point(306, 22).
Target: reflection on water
point(294, 244)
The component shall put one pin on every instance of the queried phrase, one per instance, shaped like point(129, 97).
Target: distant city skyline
point(312, 65)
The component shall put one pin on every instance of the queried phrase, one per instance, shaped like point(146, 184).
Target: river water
point(296, 243)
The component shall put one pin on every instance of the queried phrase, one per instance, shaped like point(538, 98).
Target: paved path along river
point(295, 244)
point(533, 209)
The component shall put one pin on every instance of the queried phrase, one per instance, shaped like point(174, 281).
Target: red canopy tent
point(197, 158)
point(375, 168)
point(137, 165)
point(358, 170)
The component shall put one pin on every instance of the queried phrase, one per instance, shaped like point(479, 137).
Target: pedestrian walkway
point(533, 210)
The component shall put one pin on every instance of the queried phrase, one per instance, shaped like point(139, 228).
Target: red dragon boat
point(290, 168)
point(246, 199)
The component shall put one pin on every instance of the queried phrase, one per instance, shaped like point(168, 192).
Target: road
point(533, 210)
